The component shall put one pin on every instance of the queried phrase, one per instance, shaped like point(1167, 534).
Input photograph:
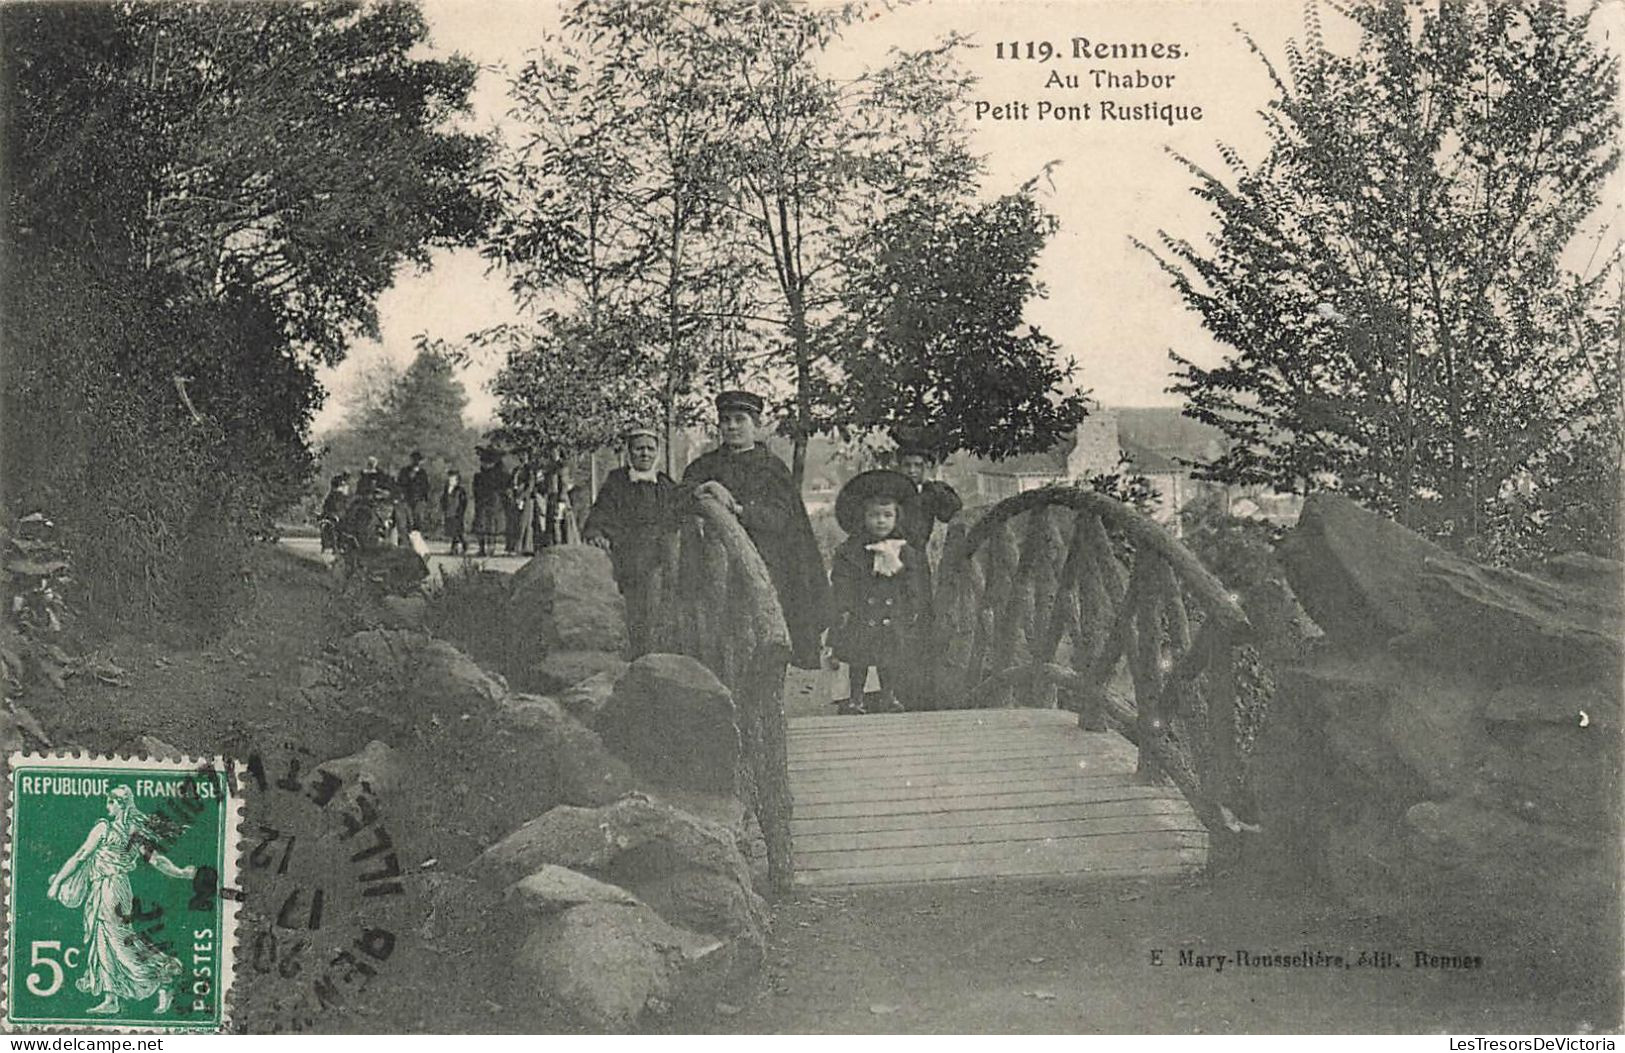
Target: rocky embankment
point(609, 853)
point(1451, 750)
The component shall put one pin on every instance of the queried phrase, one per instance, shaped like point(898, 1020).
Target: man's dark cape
point(776, 520)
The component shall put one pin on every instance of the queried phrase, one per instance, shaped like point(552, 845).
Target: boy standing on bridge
point(881, 585)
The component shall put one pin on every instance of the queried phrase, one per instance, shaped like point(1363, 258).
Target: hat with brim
point(739, 400)
point(861, 489)
point(914, 442)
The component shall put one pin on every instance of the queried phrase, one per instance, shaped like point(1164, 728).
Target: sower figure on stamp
point(119, 963)
point(632, 513)
point(881, 586)
point(756, 485)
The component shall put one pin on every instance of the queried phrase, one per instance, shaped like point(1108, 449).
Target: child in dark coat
point(454, 512)
point(881, 587)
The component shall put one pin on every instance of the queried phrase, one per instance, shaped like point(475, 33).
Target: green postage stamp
point(120, 893)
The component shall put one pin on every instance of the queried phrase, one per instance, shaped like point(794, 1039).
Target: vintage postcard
point(813, 516)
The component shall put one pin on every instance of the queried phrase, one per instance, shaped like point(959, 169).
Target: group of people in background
point(875, 600)
point(373, 509)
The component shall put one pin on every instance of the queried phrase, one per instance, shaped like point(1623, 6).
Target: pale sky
point(1109, 307)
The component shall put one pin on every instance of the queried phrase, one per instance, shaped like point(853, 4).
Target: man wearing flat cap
point(633, 510)
point(748, 479)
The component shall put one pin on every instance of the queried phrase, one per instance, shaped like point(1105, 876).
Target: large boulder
point(375, 766)
point(1367, 581)
point(675, 723)
point(565, 599)
point(382, 654)
point(584, 698)
point(578, 769)
point(446, 681)
point(554, 889)
point(558, 671)
point(1452, 752)
point(689, 869)
point(403, 612)
point(608, 963)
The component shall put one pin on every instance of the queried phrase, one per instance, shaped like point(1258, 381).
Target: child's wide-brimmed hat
point(881, 482)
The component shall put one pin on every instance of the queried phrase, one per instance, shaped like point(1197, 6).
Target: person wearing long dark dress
point(632, 514)
point(757, 486)
point(490, 484)
point(930, 502)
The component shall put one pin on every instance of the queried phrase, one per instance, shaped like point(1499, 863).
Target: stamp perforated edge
point(231, 856)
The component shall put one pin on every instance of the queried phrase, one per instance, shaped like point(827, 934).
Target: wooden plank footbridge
point(1050, 763)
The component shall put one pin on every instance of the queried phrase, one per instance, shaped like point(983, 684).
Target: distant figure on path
point(490, 486)
point(333, 508)
point(373, 478)
point(881, 586)
point(520, 507)
point(756, 486)
point(413, 486)
point(454, 511)
point(630, 517)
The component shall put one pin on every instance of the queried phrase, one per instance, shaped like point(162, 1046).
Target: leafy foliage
point(204, 201)
point(1391, 276)
point(933, 343)
point(691, 180)
point(566, 390)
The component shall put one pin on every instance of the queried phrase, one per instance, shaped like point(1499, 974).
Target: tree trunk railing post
point(715, 602)
point(1180, 657)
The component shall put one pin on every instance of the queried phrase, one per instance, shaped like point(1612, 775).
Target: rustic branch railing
point(711, 598)
point(1007, 609)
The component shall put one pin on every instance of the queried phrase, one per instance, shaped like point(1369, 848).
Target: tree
point(817, 163)
point(559, 394)
point(610, 210)
point(932, 339)
point(203, 202)
point(398, 411)
point(1391, 277)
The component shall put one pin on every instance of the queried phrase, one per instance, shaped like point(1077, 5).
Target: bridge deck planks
point(953, 795)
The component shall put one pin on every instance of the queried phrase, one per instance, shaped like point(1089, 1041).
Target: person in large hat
point(932, 502)
point(634, 509)
point(757, 486)
point(881, 587)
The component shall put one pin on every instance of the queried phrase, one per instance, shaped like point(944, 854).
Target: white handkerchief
point(650, 476)
point(888, 556)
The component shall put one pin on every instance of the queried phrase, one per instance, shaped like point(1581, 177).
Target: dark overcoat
point(776, 520)
point(878, 618)
point(633, 517)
